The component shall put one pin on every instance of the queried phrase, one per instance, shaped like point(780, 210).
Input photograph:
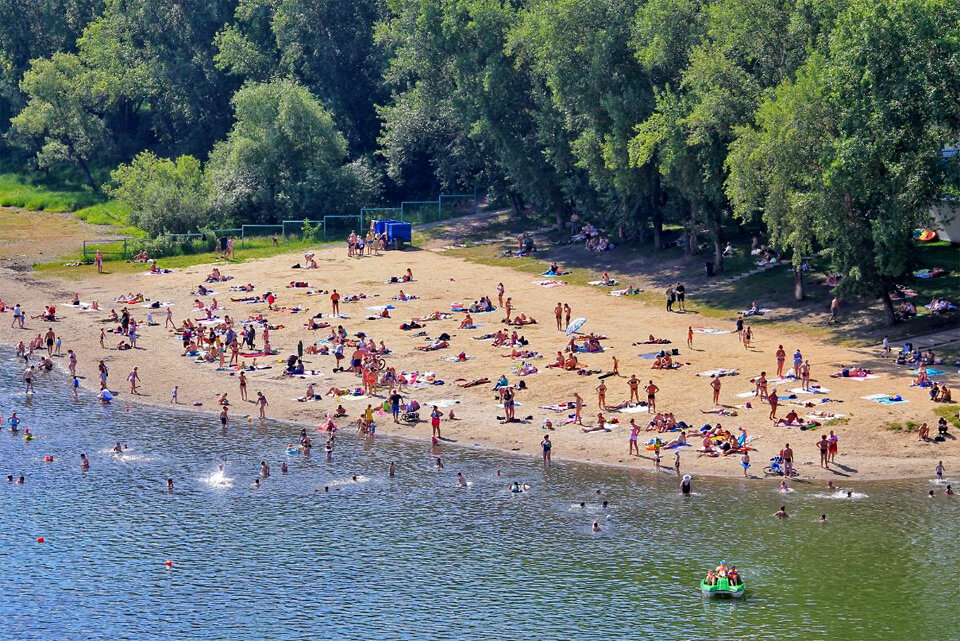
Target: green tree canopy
point(283, 158)
point(164, 196)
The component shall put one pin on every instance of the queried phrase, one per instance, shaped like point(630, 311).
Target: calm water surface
point(416, 557)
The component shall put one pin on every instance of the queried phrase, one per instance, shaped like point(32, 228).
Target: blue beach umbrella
point(575, 325)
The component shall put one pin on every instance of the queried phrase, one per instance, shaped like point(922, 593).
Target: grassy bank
point(253, 248)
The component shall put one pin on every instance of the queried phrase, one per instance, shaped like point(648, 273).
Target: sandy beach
point(867, 449)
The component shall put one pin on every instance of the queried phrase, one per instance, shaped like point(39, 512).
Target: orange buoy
point(169, 564)
point(40, 539)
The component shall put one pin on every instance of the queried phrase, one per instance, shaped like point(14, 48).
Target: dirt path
point(28, 237)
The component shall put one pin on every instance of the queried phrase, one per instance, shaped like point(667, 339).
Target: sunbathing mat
point(884, 399)
point(719, 372)
point(931, 371)
point(637, 409)
point(709, 330)
point(812, 390)
point(443, 402)
point(600, 283)
point(868, 377)
point(549, 283)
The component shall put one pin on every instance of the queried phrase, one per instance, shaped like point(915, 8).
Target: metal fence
point(334, 226)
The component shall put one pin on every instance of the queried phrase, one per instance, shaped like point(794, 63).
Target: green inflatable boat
point(723, 588)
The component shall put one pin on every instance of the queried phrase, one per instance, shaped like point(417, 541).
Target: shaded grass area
point(18, 191)
point(253, 249)
point(862, 320)
point(948, 412)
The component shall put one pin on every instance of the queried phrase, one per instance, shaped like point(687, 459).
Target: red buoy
point(40, 539)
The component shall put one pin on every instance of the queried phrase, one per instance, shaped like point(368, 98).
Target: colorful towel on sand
point(884, 399)
point(931, 371)
point(710, 330)
point(629, 291)
point(549, 283)
point(553, 274)
point(600, 283)
point(811, 390)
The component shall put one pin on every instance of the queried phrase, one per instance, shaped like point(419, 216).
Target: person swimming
point(461, 479)
point(823, 518)
point(169, 485)
point(515, 488)
point(783, 486)
point(596, 526)
point(256, 482)
point(117, 449)
point(782, 512)
point(685, 485)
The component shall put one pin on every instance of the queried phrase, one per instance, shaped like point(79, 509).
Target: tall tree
point(865, 176)
point(284, 158)
point(62, 120)
point(326, 45)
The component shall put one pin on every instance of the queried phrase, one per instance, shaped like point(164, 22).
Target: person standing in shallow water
point(546, 445)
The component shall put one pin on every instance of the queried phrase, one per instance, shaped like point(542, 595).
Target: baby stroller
point(412, 413)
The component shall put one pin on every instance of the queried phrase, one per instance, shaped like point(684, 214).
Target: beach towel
point(626, 292)
point(884, 399)
point(708, 330)
point(552, 273)
point(443, 402)
point(636, 409)
point(558, 407)
point(710, 373)
point(600, 283)
point(931, 371)
point(812, 390)
point(549, 283)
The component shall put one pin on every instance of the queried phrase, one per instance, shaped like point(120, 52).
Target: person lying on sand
point(651, 340)
point(435, 345)
point(792, 418)
point(474, 383)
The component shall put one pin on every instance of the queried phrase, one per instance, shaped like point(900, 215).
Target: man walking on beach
point(558, 311)
point(652, 397)
point(834, 309)
point(787, 455)
point(681, 292)
point(566, 314)
point(335, 301)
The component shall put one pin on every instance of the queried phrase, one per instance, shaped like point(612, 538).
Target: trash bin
point(709, 267)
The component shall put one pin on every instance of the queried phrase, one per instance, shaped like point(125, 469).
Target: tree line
point(824, 120)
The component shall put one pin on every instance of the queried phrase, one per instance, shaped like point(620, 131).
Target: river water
point(415, 557)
